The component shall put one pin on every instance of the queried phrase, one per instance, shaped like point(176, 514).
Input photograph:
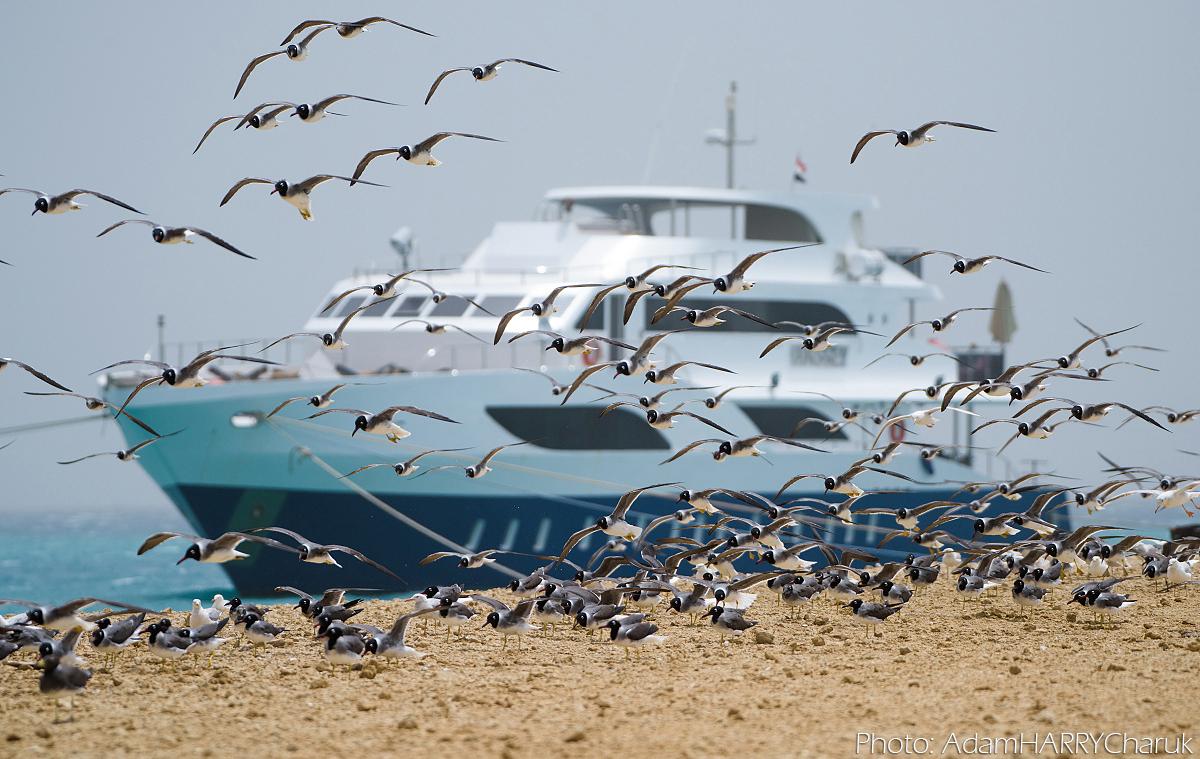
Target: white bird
point(921, 417)
point(914, 137)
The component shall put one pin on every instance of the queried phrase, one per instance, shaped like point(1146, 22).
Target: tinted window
point(500, 304)
point(451, 306)
point(577, 428)
point(378, 308)
point(410, 305)
point(801, 312)
point(349, 304)
point(781, 421)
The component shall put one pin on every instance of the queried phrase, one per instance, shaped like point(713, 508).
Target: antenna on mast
point(727, 137)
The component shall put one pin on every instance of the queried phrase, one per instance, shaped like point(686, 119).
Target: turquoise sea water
point(52, 557)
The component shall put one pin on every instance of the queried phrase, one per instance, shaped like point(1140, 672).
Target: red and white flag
point(799, 170)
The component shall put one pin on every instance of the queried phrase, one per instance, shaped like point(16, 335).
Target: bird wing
point(533, 332)
point(323, 412)
point(140, 386)
point(339, 298)
point(391, 411)
point(285, 404)
point(924, 128)
point(302, 26)
point(430, 142)
point(924, 253)
point(752, 317)
point(345, 321)
point(438, 555)
point(630, 303)
point(253, 65)
point(380, 19)
point(242, 183)
point(677, 296)
point(504, 320)
point(148, 441)
point(362, 469)
point(575, 538)
point(308, 185)
point(107, 198)
point(231, 540)
point(159, 538)
point(628, 498)
point(709, 422)
point(438, 81)
point(38, 374)
point(366, 160)
point(1016, 263)
point(284, 531)
point(218, 241)
point(583, 378)
point(364, 559)
point(401, 623)
point(89, 456)
point(904, 330)
point(209, 131)
point(689, 448)
point(289, 337)
point(521, 61)
point(596, 301)
point(867, 138)
point(324, 103)
point(741, 269)
point(492, 453)
point(778, 342)
point(111, 227)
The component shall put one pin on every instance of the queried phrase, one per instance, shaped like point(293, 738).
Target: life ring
point(590, 357)
point(896, 433)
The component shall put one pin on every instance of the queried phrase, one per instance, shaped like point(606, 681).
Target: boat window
point(732, 221)
point(451, 306)
point(774, 311)
point(579, 428)
point(778, 225)
point(782, 421)
point(349, 304)
point(378, 308)
point(410, 305)
point(500, 304)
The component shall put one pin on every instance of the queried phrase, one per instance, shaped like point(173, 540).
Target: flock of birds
point(619, 588)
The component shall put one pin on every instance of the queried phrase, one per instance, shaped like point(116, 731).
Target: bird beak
point(34, 212)
point(181, 561)
point(273, 191)
point(548, 347)
point(352, 434)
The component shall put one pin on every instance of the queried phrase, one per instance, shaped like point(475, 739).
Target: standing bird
point(391, 645)
point(165, 235)
point(59, 678)
point(964, 265)
point(350, 29)
point(419, 154)
point(56, 204)
point(297, 194)
point(506, 621)
point(912, 138)
point(316, 553)
point(482, 73)
point(295, 51)
point(873, 613)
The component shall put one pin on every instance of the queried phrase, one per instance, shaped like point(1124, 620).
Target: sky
point(1089, 175)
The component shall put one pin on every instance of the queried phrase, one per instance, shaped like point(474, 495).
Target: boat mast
point(727, 138)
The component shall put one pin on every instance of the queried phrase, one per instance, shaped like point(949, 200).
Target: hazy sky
point(1091, 174)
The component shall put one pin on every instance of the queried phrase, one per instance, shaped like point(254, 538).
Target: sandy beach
point(792, 687)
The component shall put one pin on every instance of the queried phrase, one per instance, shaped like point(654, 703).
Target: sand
point(802, 688)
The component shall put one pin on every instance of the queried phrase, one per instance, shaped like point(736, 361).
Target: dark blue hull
point(539, 526)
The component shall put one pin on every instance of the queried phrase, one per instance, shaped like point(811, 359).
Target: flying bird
point(96, 404)
point(420, 154)
point(736, 282)
point(939, 325)
point(56, 204)
point(384, 289)
point(331, 340)
point(383, 422)
point(311, 113)
point(212, 551)
point(913, 138)
point(482, 73)
point(127, 454)
point(165, 235)
point(537, 308)
point(963, 265)
point(350, 29)
point(317, 553)
point(295, 51)
point(297, 194)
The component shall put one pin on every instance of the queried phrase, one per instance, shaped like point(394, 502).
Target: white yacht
point(236, 469)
